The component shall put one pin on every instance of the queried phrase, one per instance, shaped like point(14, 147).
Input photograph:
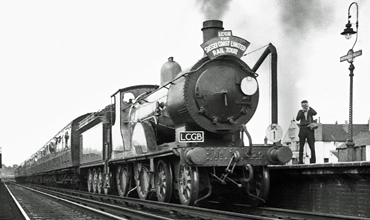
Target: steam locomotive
point(184, 139)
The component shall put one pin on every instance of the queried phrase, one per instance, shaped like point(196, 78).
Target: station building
point(331, 141)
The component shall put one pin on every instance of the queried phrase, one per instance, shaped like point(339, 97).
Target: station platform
point(333, 188)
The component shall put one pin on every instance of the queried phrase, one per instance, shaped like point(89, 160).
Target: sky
point(62, 59)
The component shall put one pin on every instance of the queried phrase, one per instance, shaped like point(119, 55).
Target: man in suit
point(305, 116)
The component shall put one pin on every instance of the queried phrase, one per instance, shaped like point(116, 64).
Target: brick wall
point(332, 192)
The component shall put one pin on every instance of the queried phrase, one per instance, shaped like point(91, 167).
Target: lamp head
point(348, 31)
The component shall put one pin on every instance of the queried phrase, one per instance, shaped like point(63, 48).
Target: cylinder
point(196, 156)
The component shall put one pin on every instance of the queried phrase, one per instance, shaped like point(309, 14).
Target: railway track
point(115, 207)
point(38, 205)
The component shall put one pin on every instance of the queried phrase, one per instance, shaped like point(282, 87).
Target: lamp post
point(348, 32)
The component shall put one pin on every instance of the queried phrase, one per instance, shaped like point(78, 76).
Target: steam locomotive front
point(220, 92)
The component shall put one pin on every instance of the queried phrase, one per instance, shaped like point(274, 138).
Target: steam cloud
point(297, 21)
point(213, 9)
point(298, 17)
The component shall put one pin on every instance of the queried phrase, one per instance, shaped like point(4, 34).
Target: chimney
point(211, 28)
point(346, 126)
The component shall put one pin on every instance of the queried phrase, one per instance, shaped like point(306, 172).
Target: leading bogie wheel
point(188, 185)
point(163, 181)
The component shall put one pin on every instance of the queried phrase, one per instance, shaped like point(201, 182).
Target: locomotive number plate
point(191, 136)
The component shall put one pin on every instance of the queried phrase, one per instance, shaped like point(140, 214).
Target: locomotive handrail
point(172, 81)
point(148, 118)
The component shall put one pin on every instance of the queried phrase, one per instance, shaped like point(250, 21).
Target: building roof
point(362, 139)
point(339, 132)
point(333, 132)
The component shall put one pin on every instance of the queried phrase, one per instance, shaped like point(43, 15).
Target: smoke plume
point(213, 9)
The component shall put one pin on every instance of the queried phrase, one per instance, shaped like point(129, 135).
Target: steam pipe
point(274, 93)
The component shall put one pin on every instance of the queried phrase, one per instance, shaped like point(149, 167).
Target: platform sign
point(225, 44)
point(274, 133)
point(350, 56)
point(191, 136)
